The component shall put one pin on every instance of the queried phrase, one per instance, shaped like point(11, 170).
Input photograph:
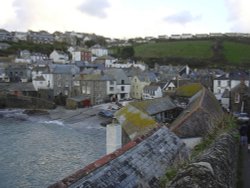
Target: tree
point(127, 52)
point(90, 43)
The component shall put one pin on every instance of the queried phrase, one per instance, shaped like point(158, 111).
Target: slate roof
point(118, 75)
point(140, 163)
point(235, 75)
point(150, 88)
point(155, 106)
point(147, 77)
point(132, 71)
point(64, 69)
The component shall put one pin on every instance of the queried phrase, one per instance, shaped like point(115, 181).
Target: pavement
point(80, 116)
point(245, 167)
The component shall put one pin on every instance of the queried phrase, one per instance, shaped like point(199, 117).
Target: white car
point(243, 117)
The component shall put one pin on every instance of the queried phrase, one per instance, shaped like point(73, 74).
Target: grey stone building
point(94, 86)
point(63, 76)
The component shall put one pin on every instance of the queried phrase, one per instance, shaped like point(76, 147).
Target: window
point(219, 82)
point(122, 88)
point(237, 98)
point(111, 82)
point(111, 89)
point(88, 90)
point(83, 90)
point(122, 81)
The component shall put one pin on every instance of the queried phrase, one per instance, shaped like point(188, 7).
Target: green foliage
point(33, 47)
point(90, 43)
point(123, 52)
point(127, 52)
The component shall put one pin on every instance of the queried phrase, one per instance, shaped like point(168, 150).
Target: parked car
point(105, 123)
point(243, 117)
point(106, 113)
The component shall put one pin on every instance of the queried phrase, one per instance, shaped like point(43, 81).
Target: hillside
point(185, 49)
point(210, 52)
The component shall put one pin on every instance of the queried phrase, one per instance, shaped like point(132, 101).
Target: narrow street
point(245, 173)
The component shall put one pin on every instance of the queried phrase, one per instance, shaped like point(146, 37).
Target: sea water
point(37, 152)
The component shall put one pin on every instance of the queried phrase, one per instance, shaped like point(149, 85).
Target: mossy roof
point(154, 106)
point(188, 90)
point(135, 122)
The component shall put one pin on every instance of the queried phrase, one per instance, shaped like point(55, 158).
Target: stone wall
point(216, 167)
point(140, 163)
point(12, 101)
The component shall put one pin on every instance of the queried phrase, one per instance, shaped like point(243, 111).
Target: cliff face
point(217, 167)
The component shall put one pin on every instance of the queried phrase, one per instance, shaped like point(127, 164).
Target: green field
point(184, 49)
point(236, 53)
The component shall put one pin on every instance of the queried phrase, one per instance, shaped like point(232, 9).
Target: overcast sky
point(126, 18)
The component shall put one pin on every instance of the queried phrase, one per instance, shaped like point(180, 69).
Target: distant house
point(170, 86)
point(175, 36)
point(77, 102)
point(94, 86)
point(186, 36)
point(20, 36)
point(229, 81)
point(120, 89)
point(152, 91)
point(18, 72)
point(5, 35)
point(4, 46)
point(59, 57)
point(239, 98)
point(62, 78)
point(105, 60)
point(99, 50)
point(139, 82)
point(81, 55)
point(215, 35)
point(3, 76)
point(201, 35)
point(40, 37)
point(163, 37)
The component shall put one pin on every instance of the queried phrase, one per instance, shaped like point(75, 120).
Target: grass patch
point(236, 53)
point(185, 49)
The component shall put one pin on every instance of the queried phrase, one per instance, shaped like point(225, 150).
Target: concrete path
point(245, 167)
